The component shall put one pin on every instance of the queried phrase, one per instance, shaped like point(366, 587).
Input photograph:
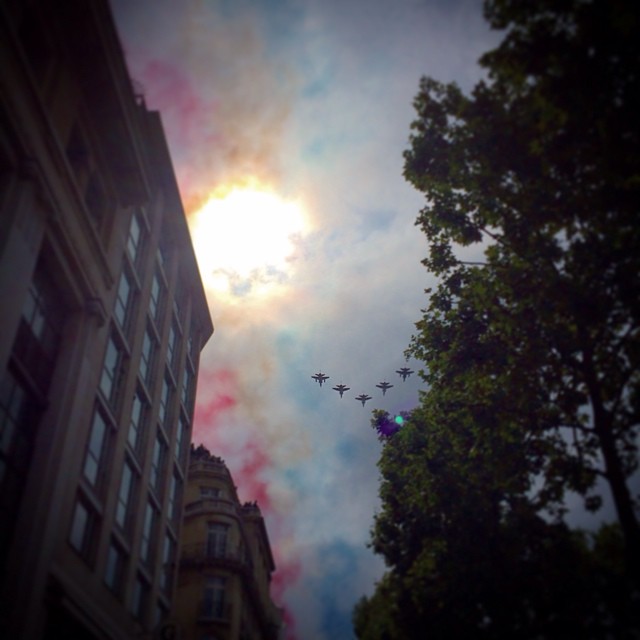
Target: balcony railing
point(210, 466)
point(202, 554)
point(211, 505)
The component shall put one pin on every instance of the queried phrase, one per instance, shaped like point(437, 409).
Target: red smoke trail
point(218, 393)
point(286, 575)
point(254, 462)
point(187, 119)
point(219, 390)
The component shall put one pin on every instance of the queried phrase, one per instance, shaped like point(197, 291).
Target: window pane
point(133, 241)
point(136, 425)
point(175, 492)
point(168, 553)
point(186, 389)
point(114, 569)
point(157, 463)
point(79, 527)
point(146, 541)
point(214, 597)
point(182, 436)
point(164, 413)
point(155, 302)
point(146, 357)
point(83, 529)
point(124, 300)
point(125, 494)
point(95, 449)
point(217, 539)
point(139, 597)
point(109, 369)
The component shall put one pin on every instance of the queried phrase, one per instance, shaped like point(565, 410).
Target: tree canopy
point(531, 340)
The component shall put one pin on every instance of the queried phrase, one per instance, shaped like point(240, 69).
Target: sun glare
point(244, 239)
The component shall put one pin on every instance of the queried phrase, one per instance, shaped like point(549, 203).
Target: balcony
point(210, 505)
point(200, 555)
point(209, 467)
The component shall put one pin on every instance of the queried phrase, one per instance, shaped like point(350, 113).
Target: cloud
point(224, 99)
point(313, 97)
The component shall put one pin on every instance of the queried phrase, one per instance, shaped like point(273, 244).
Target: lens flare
point(245, 238)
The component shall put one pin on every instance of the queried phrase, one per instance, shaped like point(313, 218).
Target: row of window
point(86, 521)
point(157, 296)
point(96, 463)
point(83, 537)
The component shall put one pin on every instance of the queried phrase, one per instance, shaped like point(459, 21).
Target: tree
point(470, 556)
point(530, 341)
point(539, 169)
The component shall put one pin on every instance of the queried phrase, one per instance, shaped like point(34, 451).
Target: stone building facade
point(103, 319)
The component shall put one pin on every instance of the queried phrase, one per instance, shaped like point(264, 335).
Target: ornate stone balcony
point(200, 555)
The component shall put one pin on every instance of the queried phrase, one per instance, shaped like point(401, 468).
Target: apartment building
point(225, 561)
point(103, 319)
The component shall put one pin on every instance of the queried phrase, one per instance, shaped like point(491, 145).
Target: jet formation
point(321, 378)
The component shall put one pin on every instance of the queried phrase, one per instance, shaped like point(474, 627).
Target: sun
point(245, 239)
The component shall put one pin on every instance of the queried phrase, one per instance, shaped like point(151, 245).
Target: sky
point(286, 122)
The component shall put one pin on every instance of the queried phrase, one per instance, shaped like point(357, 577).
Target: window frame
point(116, 373)
point(86, 545)
point(98, 459)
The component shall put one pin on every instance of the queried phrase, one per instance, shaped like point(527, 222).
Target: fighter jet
point(363, 397)
point(384, 386)
point(341, 388)
point(320, 377)
point(403, 372)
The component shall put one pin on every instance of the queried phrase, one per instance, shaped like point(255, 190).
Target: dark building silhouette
point(225, 561)
point(103, 319)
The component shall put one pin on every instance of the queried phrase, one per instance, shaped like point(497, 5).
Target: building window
point(157, 296)
point(139, 597)
point(134, 240)
point(148, 528)
point(112, 370)
point(210, 492)
point(95, 459)
point(175, 495)
point(191, 346)
point(115, 568)
point(125, 495)
point(39, 331)
point(139, 408)
point(123, 310)
point(157, 463)
point(149, 345)
point(172, 346)
point(213, 604)
point(162, 255)
point(164, 413)
point(168, 556)
point(217, 534)
point(187, 382)
point(182, 431)
point(84, 529)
